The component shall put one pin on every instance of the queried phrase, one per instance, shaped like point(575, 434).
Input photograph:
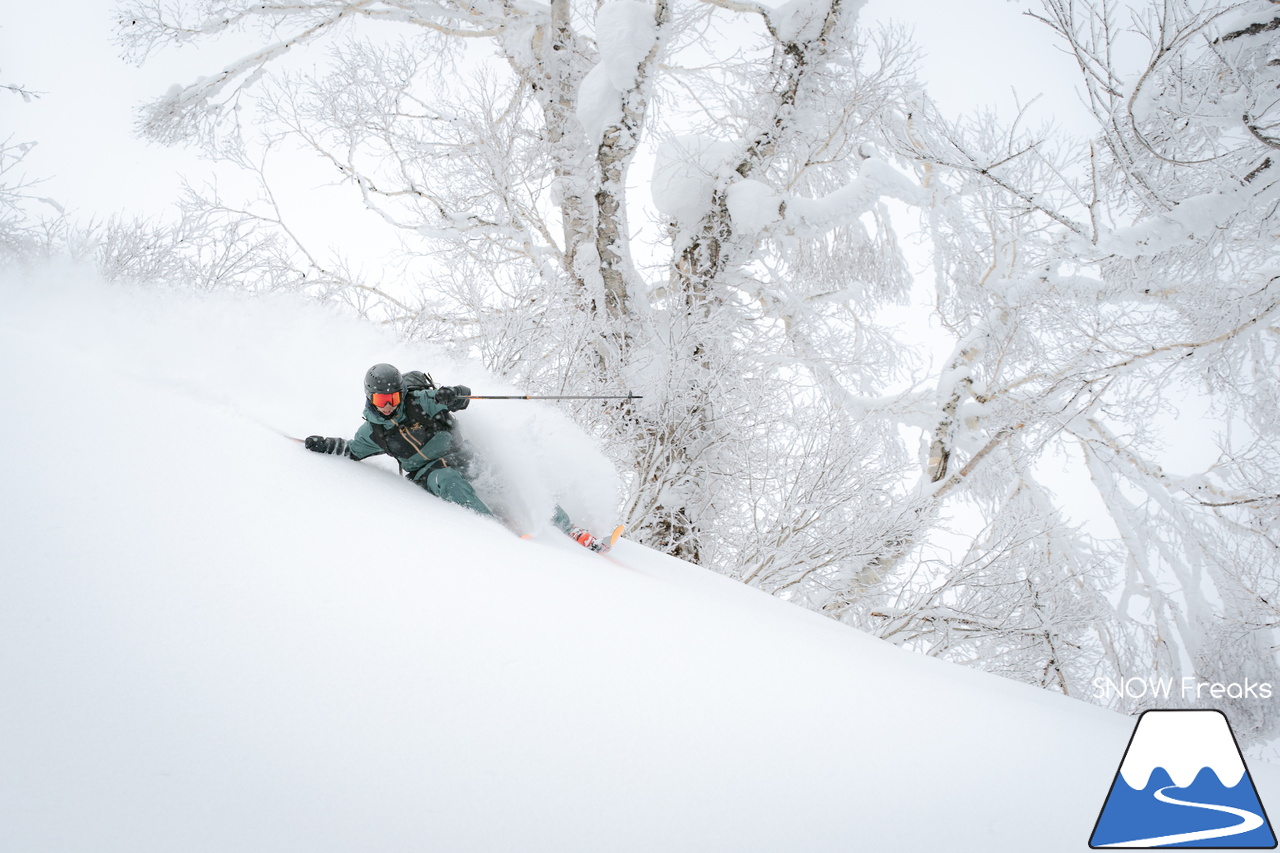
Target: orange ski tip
point(616, 535)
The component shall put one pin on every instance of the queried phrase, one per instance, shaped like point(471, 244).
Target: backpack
point(416, 380)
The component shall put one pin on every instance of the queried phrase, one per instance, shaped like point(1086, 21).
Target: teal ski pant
point(450, 484)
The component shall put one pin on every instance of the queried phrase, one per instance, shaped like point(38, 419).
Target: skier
point(413, 422)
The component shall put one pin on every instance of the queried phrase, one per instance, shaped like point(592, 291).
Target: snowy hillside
point(211, 639)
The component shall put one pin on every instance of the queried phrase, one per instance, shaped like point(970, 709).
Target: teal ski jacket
point(419, 434)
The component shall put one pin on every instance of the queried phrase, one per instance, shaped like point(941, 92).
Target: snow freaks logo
point(1183, 783)
point(1190, 688)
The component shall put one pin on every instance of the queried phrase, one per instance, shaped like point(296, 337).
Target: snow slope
point(212, 640)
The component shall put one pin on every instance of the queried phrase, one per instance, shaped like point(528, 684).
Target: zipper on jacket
point(417, 448)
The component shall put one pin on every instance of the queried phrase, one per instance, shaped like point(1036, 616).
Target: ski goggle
point(380, 400)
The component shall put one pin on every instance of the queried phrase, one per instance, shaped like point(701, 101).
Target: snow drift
point(211, 639)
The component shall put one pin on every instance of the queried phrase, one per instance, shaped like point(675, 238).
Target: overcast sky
point(83, 119)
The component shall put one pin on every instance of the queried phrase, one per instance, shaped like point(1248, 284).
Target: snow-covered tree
point(19, 234)
point(1104, 286)
point(14, 223)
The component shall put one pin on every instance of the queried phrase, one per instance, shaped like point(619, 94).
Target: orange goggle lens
point(380, 400)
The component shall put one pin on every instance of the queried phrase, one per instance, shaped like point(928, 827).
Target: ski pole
point(552, 397)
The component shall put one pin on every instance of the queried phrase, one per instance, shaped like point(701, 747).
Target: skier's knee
point(447, 483)
point(441, 481)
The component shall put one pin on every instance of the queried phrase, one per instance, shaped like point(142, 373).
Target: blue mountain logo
point(1183, 783)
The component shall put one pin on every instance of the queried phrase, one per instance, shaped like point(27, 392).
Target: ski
point(598, 545)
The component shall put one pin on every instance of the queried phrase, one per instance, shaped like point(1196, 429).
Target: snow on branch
point(21, 91)
point(626, 33)
point(1196, 218)
point(190, 111)
point(742, 6)
point(755, 207)
point(185, 111)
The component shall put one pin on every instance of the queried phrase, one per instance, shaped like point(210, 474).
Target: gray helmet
point(382, 379)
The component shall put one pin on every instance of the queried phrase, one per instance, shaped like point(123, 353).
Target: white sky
point(82, 121)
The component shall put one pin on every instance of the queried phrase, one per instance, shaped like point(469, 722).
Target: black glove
point(453, 397)
point(320, 444)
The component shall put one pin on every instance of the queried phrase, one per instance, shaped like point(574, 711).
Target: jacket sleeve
point(437, 411)
point(363, 446)
point(426, 401)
